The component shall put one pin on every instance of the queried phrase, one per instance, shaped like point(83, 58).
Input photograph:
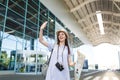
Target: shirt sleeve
point(50, 46)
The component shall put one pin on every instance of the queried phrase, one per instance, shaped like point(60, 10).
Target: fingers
point(43, 25)
point(74, 63)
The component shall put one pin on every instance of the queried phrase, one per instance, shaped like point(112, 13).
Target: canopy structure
point(85, 13)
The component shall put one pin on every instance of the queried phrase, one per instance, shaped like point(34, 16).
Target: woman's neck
point(62, 43)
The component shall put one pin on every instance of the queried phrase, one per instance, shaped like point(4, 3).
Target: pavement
point(38, 76)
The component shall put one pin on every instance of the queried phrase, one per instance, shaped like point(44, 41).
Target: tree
point(4, 61)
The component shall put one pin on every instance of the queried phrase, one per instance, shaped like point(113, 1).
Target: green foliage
point(22, 69)
point(4, 60)
point(33, 55)
point(3, 55)
point(40, 56)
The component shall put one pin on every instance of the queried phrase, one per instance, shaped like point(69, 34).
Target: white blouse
point(53, 73)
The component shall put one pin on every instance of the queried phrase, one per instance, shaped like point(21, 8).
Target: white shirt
point(53, 73)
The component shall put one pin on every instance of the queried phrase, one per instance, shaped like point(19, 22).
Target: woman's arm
point(70, 62)
point(41, 40)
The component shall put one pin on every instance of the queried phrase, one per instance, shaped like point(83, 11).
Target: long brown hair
point(66, 41)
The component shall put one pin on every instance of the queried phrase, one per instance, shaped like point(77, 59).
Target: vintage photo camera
point(59, 66)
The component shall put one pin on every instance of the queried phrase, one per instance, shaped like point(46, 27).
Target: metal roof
point(85, 13)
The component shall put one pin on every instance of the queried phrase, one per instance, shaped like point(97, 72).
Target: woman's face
point(61, 36)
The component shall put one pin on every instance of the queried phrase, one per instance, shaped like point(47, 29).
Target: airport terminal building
point(22, 55)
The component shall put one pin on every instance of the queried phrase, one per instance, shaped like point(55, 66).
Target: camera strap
point(58, 53)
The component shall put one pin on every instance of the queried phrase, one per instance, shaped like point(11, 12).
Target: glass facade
point(19, 28)
point(20, 21)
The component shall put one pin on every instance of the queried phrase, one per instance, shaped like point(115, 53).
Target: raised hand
point(43, 25)
point(41, 40)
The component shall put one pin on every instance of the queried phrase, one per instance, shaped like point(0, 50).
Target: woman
point(60, 59)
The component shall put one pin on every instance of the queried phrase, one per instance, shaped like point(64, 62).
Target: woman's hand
point(72, 63)
point(43, 25)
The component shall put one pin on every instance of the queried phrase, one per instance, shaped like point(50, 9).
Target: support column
point(0, 44)
point(0, 41)
point(1, 35)
point(31, 44)
point(119, 58)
